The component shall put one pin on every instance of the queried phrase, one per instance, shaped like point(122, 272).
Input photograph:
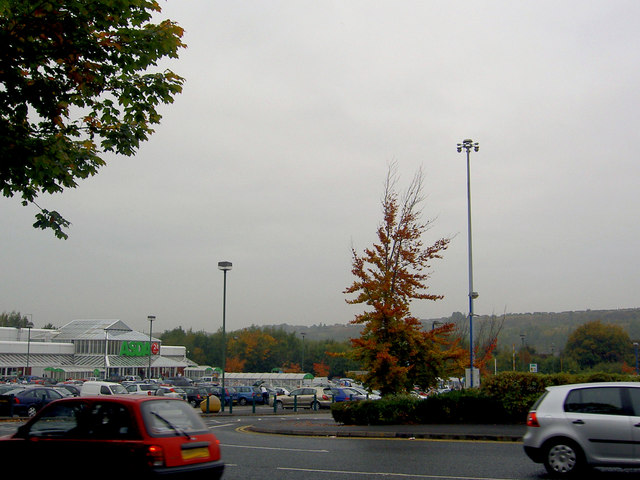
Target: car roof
point(122, 399)
point(570, 386)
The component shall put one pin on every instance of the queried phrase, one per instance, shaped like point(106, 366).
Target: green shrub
point(503, 398)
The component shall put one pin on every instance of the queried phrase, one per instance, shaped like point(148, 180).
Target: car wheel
point(563, 458)
point(279, 405)
point(31, 411)
point(315, 405)
point(193, 403)
point(242, 401)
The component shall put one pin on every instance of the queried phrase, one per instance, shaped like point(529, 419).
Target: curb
point(385, 435)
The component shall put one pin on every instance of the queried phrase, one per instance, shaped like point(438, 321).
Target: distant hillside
point(541, 330)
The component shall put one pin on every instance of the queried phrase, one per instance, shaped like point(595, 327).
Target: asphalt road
point(251, 455)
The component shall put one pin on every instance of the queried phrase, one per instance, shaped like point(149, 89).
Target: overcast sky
point(274, 158)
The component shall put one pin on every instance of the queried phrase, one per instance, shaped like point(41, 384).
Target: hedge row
point(504, 398)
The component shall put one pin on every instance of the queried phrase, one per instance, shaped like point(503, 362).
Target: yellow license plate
point(191, 453)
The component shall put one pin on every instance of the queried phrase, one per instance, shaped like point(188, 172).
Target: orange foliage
point(234, 364)
point(321, 369)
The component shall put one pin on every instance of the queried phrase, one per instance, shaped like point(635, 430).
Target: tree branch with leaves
point(77, 80)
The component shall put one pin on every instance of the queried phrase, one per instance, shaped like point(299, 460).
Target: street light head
point(468, 145)
point(225, 266)
point(151, 318)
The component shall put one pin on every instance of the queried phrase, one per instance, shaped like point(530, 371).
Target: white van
point(102, 388)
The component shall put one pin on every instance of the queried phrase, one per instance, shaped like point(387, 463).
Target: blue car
point(342, 395)
point(217, 391)
point(27, 400)
point(249, 395)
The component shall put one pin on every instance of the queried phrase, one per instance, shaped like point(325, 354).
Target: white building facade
point(88, 348)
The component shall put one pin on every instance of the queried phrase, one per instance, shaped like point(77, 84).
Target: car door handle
point(578, 422)
point(637, 425)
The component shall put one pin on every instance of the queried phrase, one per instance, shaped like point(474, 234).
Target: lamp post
point(302, 364)
point(225, 267)
point(151, 318)
point(29, 326)
point(468, 145)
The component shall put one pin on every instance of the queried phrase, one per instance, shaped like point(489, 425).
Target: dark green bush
point(503, 398)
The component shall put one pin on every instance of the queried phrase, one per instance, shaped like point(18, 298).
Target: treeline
point(548, 332)
point(265, 349)
point(14, 319)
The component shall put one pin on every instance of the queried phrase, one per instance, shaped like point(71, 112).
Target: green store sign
point(138, 349)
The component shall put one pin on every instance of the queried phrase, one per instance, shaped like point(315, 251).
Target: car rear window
point(170, 418)
point(599, 400)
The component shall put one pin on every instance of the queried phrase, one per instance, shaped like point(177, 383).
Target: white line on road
point(276, 448)
point(223, 425)
point(388, 474)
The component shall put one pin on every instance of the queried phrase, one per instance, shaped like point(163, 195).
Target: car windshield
point(166, 418)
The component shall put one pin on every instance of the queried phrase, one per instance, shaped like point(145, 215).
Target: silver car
point(572, 427)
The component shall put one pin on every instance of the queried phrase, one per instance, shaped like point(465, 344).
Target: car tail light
point(325, 397)
point(155, 456)
point(532, 420)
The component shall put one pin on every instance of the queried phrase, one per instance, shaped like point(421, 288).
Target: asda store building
point(88, 348)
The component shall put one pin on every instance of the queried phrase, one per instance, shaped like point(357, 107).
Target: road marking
point(222, 425)
point(276, 448)
point(388, 474)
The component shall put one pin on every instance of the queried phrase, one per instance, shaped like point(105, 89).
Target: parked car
point(27, 400)
point(249, 394)
point(171, 392)
point(572, 427)
point(5, 387)
point(217, 391)
point(102, 388)
point(306, 397)
point(72, 389)
point(142, 388)
point(358, 393)
point(180, 381)
point(344, 394)
point(149, 437)
point(281, 390)
point(195, 395)
point(354, 394)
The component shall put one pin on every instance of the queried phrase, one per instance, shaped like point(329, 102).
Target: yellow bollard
point(211, 404)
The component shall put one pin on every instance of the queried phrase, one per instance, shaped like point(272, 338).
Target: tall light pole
point(225, 267)
point(468, 145)
point(302, 365)
point(151, 318)
point(29, 326)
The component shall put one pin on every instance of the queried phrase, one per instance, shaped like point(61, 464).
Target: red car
point(153, 436)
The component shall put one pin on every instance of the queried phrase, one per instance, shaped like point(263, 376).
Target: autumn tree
point(255, 347)
point(321, 369)
point(393, 347)
point(78, 79)
point(487, 330)
point(596, 343)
